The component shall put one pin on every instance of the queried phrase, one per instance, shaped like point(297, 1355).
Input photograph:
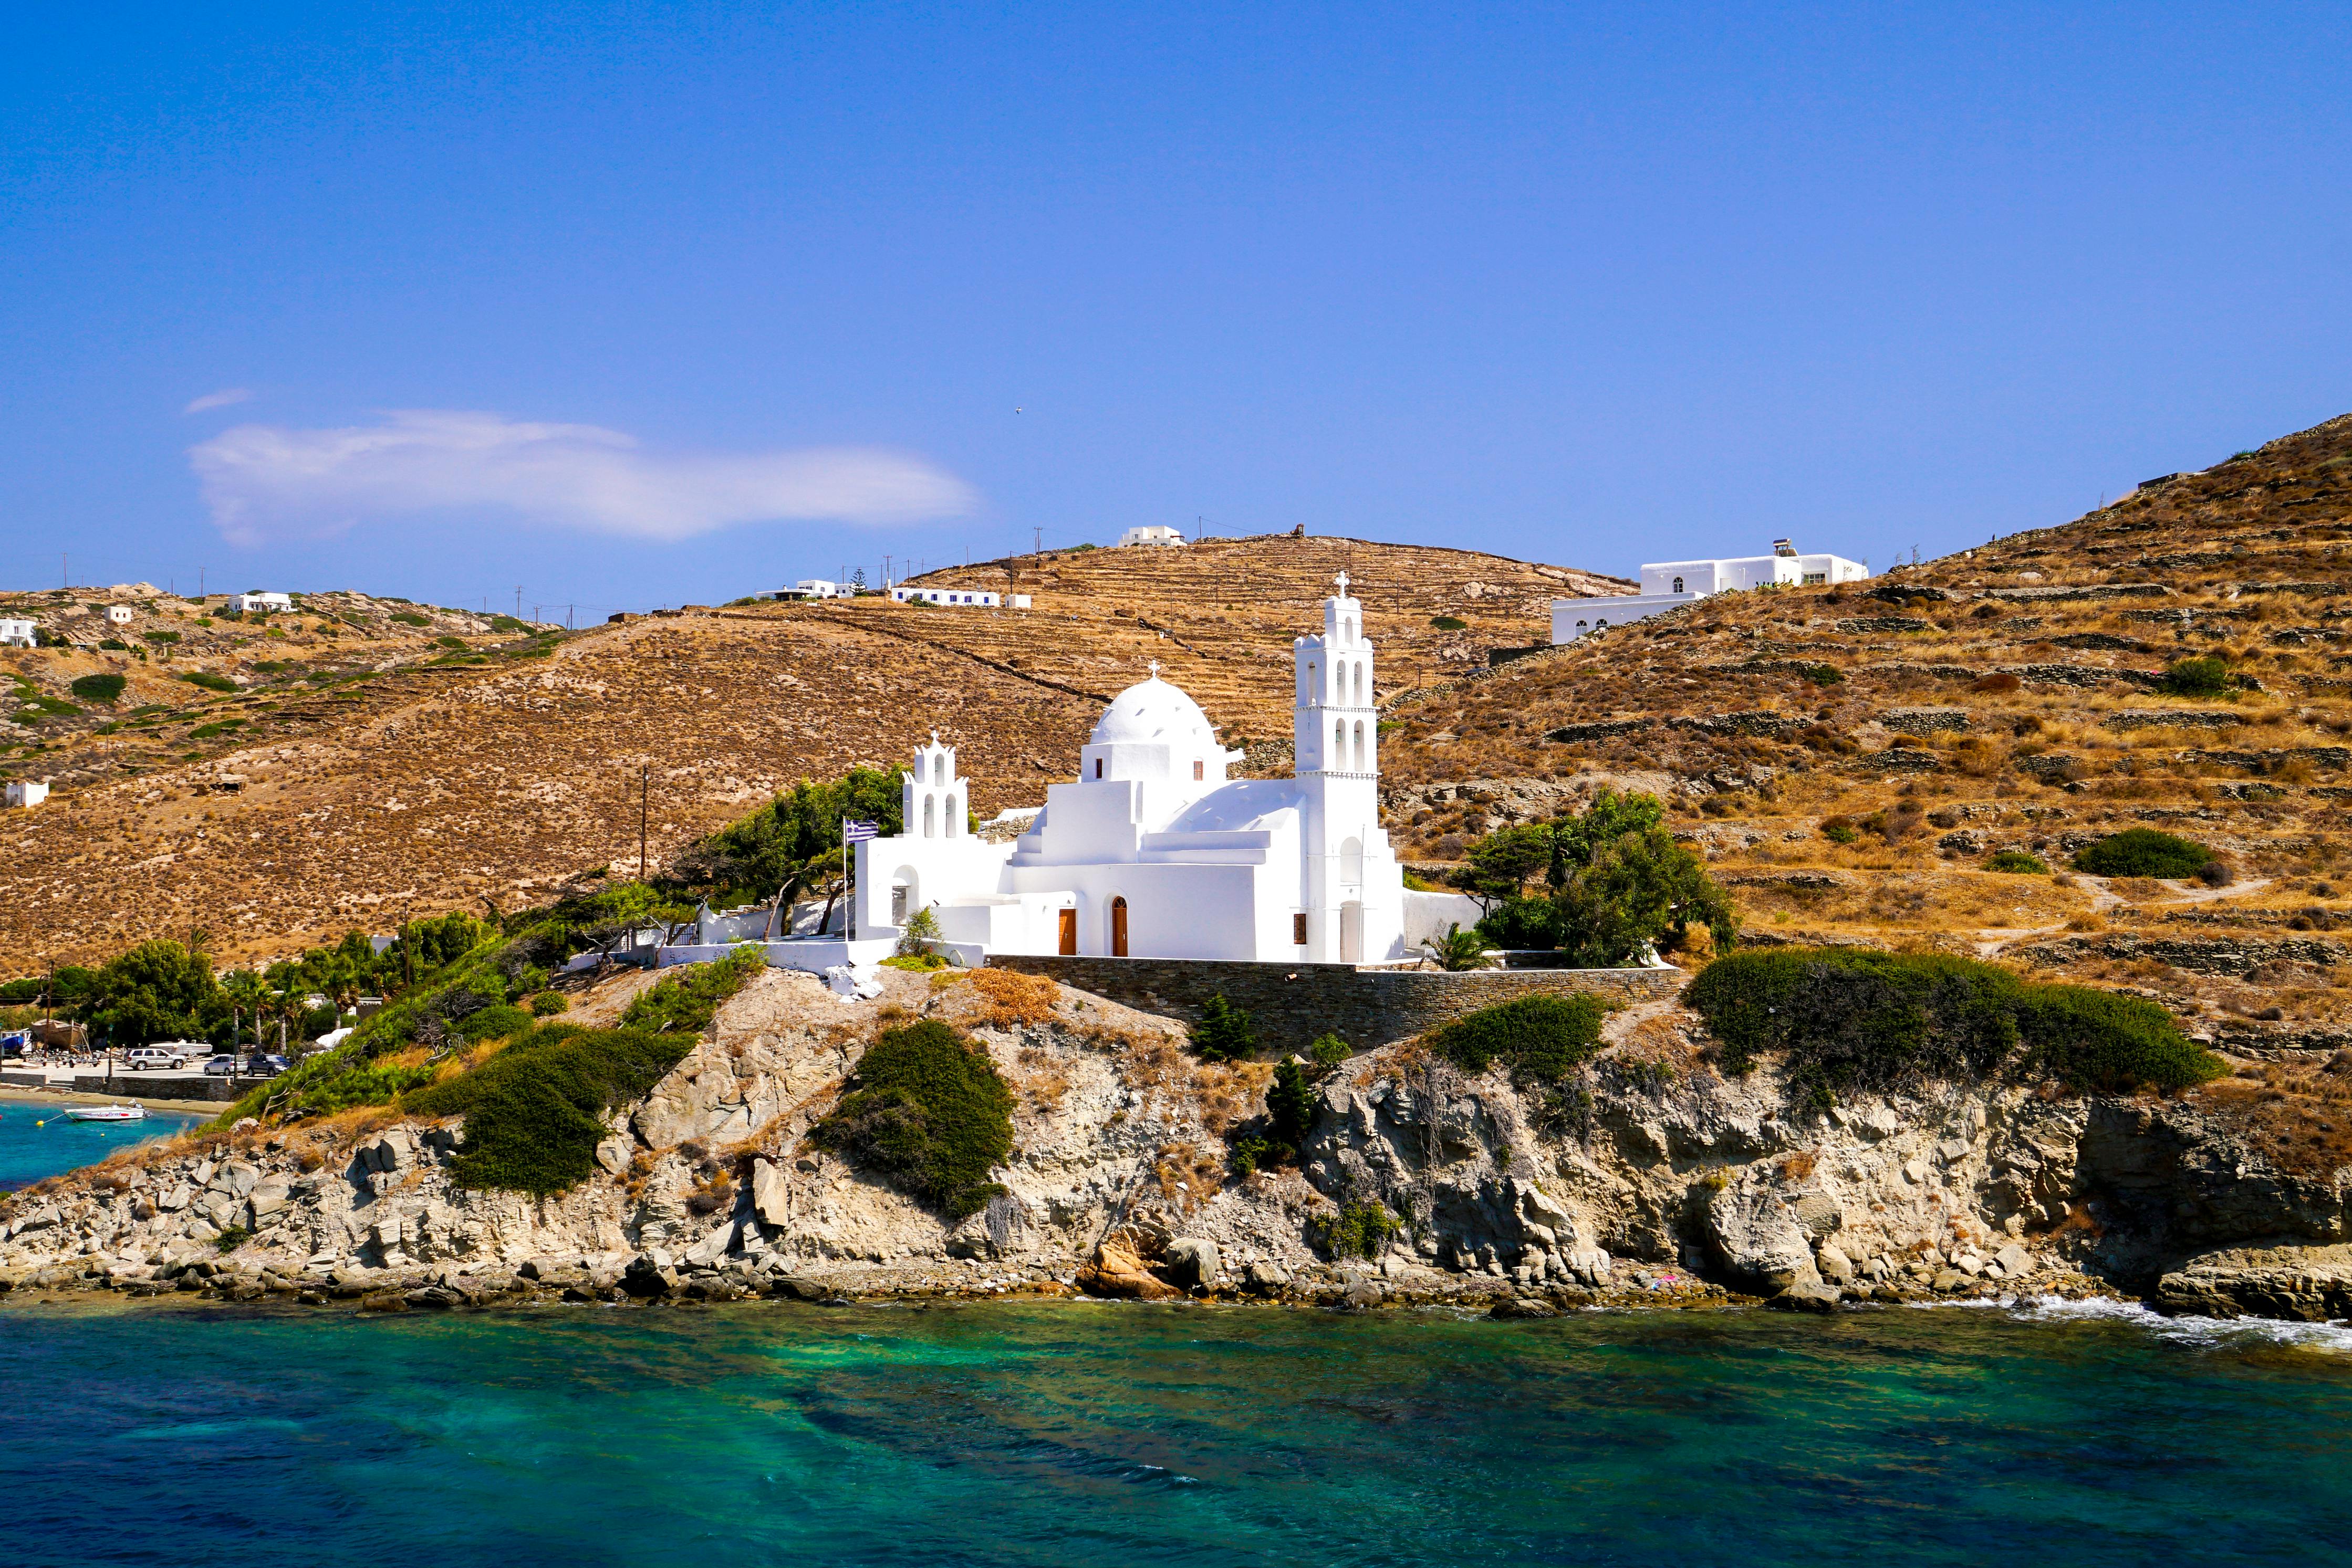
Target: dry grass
point(2299, 1117)
point(1016, 1000)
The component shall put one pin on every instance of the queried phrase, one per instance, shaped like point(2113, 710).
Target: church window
point(1298, 930)
point(1098, 767)
point(1678, 585)
point(1199, 770)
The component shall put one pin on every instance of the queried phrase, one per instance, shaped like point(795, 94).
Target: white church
point(1154, 851)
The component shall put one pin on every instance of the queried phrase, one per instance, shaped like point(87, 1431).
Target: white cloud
point(220, 398)
point(265, 481)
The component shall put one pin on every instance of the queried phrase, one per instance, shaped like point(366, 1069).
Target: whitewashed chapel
point(1154, 851)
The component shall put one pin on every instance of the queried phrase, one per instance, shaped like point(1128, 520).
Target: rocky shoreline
point(1653, 1180)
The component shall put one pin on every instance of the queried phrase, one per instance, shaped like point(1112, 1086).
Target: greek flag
point(858, 833)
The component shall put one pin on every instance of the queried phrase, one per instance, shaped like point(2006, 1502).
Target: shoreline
point(13, 1094)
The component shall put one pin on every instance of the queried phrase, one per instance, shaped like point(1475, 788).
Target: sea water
point(36, 1141)
point(1072, 1433)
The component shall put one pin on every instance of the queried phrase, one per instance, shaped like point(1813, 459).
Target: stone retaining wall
point(1291, 1004)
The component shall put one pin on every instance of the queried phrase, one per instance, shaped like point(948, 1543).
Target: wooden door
point(1119, 928)
point(1070, 943)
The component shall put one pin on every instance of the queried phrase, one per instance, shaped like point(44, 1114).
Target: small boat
point(106, 1113)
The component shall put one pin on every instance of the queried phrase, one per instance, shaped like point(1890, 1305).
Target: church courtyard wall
point(1291, 1004)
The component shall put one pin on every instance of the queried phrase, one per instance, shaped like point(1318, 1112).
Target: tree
point(1503, 862)
point(1458, 949)
point(157, 990)
point(792, 844)
point(246, 994)
point(1289, 1107)
point(1224, 1033)
point(1620, 885)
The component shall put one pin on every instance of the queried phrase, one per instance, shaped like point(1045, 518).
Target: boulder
point(768, 1194)
point(241, 1178)
point(1190, 1262)
point(1818, 1213)
point(1117, 1269)
point(270, 1197)
point(1523, 1307)
point(2015, 1261)
point(1806, 1297)
point(1265, 1279)
point(1833, 1264)
point(1755, 1238)
point(711, 1248)
point(613, 1154)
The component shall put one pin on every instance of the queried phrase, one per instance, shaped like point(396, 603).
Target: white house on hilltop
point(23, 792)
point(1154, 851)
point(16, 633)
point(980, 596)
point(1670, 584)
point(1150, 536)
point(812, 588)
point(244, 603)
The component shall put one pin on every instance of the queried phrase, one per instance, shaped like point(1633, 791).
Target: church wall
point(1291, 1004)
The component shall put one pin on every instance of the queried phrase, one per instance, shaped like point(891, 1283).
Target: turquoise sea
point(29, 1149)
point(1081, 1434)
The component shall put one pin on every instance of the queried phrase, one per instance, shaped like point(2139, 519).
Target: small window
point(1298, 930)
point(1098, 767)
point(1815, 579)
point(1678, 585)
point(1200, 771)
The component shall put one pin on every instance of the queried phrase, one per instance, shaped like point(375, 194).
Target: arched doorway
point(1119, 927)
point(1351, 932)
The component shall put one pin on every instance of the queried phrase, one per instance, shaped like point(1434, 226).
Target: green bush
point(547, 1004)
point(1224, 1033)
point(1619, 884)
point(2017, 861)
point(98, 688)
point(1846, 1019)
point(2143, 851)
point(1289, 1107)
point(493, 1022)
point(209, 681)
point(230, 1239)
point(1357, 1230)
point(685, 1003)
point(1824, 675)
point(928, 1108)
point(2205, 677)
point(1839, 830)
point(409, 618)
point(1539, 1037)
point(161, 638)
point(536, 1110)
point(1328, 1051)
point(1449, 623)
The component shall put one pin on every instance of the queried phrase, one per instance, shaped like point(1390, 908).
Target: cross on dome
point(1153, 666)
point(1342, 581)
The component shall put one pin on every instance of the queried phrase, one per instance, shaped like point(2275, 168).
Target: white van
point(172, 1055)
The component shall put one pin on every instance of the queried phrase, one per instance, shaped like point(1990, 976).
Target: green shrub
point(114, 644)
point(1824, 675)
point(928, 1108)
point(2020, 861)
point(1289, 1107)
point(507, 623)
point(233, 1237)
point(547, 1004)
point(1839, 830)
point(916, 963)
point(2143, 851)
point(493, 1022)
point(1449, 623)
point(536, 1110)
point(1224, 1033)
point(1458, 949)
point(2205, 677)
point(1357, 1230)
point(209, 681)
point(685, 1003)
point(1539, 1038)
point(1843, 1019)
point(161, 638)
point(409, 618)
point(1328, 1051)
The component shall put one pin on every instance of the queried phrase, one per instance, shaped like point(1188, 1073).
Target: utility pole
point(518, 601)
point(645, 808)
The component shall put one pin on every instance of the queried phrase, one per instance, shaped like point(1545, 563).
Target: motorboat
point(106, 1113)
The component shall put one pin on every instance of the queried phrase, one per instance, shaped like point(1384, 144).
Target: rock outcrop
point(1653, 1177)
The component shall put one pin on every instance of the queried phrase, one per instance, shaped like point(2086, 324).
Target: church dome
point(1153, 710)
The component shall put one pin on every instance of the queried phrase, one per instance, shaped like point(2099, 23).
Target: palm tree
point(247, 993)
point(1458, 949)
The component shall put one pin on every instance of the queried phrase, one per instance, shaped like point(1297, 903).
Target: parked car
point(264, 1066)
point(170, 1054)
point(221, 1067)
point(276, 1063)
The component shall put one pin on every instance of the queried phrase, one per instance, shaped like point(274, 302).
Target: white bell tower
point(932, 798)
point(1336, 740)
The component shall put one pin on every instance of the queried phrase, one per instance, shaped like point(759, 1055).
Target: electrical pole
point(518, 601)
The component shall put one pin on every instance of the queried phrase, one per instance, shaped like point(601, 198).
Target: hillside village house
point(244, 603)
point(1154, 851)
point(979, 596)
point(1670, 584)
point(812, 588)
point(1150, 536)
point(15, 633)
point(118, 614)
point(23, 792)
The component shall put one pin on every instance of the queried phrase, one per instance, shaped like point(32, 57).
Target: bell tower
point(1348, 911)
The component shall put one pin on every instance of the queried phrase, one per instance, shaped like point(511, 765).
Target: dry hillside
point(364, 772)
point(2006, 697)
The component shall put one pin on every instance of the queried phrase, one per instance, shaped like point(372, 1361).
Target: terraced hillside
point(352, 780)
point(2014, 697)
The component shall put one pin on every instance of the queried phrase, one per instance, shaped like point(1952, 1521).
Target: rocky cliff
point(1651, 1176)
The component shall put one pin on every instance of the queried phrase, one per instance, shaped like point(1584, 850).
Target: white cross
point(1342, 581)
point(1154, 668)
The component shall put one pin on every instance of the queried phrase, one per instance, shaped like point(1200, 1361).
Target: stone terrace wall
point(1290, 1004)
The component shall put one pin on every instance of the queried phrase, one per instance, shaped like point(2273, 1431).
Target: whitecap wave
point(2334, 1337)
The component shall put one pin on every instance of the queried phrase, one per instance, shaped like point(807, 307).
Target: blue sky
point(638, 305)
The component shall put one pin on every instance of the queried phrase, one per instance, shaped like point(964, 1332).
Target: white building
point(1670, 584)
point(980, 596)
point(243, 603)
point(813, 588)
point(118, 614)
point(1154, 852)
point(24, 792)
point(1152, 536)
point(18, 634)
